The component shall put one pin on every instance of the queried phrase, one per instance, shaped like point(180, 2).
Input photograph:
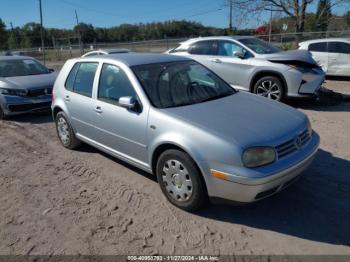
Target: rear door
point(319, 52)
point(338, 58)
point(78, 97)
point(203, 52)
point(233, 69)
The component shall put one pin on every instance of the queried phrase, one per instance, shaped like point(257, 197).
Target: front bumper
point(304, 84)
point(249, 189)
point(15, 105)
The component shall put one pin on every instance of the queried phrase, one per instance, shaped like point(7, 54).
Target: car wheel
point(65, 132)
point(181, 181)
point(270, 87)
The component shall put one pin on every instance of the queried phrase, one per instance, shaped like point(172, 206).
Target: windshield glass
point(259, 46)
point(180, 83)
point(21, 67)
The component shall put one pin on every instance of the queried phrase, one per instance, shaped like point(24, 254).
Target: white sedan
point(332, 54)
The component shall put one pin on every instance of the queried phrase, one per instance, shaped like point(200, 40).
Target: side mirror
point(51, 70)
point(238, 54)
point(127, 102)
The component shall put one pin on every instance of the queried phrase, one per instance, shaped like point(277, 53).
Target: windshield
point(180, 83)
point(21, 67)
point(259, 46)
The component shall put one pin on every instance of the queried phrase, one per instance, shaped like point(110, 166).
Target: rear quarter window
point(71, 77)
point(81, 78)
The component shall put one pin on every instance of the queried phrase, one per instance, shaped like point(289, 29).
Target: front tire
point(270, 87)
point(65, 132)
point(181, 181)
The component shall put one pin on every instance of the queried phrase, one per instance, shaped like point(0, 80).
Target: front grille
point(293, 145)
point(27, 107)
point(39, 92)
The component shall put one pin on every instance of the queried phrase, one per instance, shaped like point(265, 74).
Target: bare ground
point(56, 201)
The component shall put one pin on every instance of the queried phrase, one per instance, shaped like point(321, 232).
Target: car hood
point(28, 82)
point(302, 56)
point(244, 119)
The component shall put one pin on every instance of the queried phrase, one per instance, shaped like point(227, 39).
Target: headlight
point(309, 127)
point(303, 69)
point(13, 92)
point(258, 156)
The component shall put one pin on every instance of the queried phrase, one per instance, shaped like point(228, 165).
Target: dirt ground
point(56, 201)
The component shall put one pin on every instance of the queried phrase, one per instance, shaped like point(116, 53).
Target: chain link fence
point(63, 52)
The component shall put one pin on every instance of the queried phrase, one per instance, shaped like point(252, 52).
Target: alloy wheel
point(269, 89)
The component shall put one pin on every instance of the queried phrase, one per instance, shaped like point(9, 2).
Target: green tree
point(3, 35)
point(347, 18)
point(86, 31)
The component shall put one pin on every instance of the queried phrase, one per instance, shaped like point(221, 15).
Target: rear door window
point(202, 48)
point(81, 78)
point(318, 47)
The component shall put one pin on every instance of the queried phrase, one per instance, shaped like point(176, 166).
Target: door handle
point(98, 109)
point(67, 98)
point(217, 60)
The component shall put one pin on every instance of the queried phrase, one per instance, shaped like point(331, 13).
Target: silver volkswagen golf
point(173, 117)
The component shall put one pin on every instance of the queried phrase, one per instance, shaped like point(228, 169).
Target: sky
point(106, 13)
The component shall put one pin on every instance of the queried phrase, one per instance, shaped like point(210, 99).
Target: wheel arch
point(159, 149)
point(264, 73)
point(55, 111)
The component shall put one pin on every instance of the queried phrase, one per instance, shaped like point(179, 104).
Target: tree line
point(293, 13)
point(29, 35)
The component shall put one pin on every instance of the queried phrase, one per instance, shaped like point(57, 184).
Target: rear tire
point(181, 181)
point(65, 132)
point(270, 87)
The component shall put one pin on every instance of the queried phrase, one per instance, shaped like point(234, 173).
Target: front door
point(234, 70)
point(120, 129)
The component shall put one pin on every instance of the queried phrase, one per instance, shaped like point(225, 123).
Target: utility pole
point(13, 35)
point(270, 28)
point(230, 23)
point(79, 35)
point(42, 32)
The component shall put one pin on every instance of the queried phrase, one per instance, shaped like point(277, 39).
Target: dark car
point(25, 85)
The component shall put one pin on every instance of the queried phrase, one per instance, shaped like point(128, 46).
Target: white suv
point(253, 65)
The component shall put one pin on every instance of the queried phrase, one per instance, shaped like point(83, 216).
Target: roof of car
point(321, 40)
point(133, 59)
point(234, 37)
point(110, 50)
point(14, 57)
point(115, 50)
